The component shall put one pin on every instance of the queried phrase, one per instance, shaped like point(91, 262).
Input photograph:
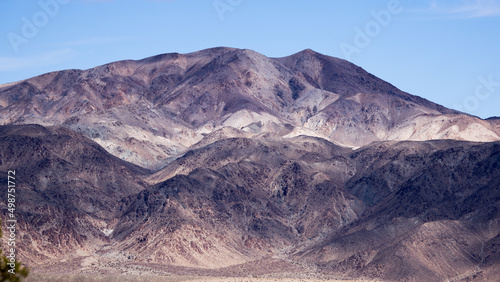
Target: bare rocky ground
point(268, 270)
point(145, 278)
point(165, 273)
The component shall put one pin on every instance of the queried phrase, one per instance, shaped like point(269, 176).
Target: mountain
point(225, 162)
point(433, 207)
point(390, 210)
point(250, 198)
point(150, 111)
point(67, 189)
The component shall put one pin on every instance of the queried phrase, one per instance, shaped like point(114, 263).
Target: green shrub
point(20, 272)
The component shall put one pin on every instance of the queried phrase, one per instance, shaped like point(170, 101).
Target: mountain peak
point(307, 51)
point(177, 99)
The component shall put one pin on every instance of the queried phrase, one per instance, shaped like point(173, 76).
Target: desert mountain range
point(150, 110)
point(227, 162)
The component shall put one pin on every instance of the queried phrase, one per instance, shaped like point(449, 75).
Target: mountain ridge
point(225, 162)
point(334, 211)
point(172, 100)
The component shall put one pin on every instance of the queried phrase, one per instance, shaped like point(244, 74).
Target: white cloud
point(45, 59)
point(466, 9)
point(114, 0)
point(94, 41)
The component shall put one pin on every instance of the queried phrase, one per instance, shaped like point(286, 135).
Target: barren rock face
point(226, 162)
point(389, 210)
point(151, 110)
point(67, 188)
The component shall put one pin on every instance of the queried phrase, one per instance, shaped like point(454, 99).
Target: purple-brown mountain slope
point(150, 110)
point(227, 162)
point(412, 210)
point(67, 189)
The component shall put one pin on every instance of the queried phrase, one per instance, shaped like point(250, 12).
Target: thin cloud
point(94, 41)
point(42, 60)
point(91, 1)
point(97, 0)
point(466, 9)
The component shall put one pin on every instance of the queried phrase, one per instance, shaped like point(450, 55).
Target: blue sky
point(445, 51)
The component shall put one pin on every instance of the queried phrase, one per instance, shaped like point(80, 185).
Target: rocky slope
point(151, 110)
point(390, 210)
point(432, 206)
point(226, 162)
point(67, 189)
